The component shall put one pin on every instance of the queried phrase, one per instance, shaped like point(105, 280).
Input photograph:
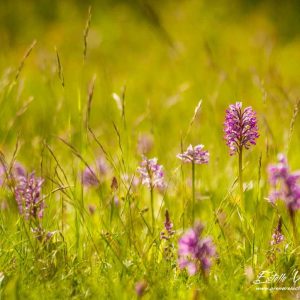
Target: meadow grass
point(79, 82)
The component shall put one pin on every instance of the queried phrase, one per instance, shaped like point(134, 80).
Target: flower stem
point(293, 221)
point(193, 193)
point(152, 208)
point(241, 176)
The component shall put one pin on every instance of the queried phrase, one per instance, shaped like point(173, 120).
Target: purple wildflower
point(7, 175)
point(277, 236)
point(18, 170)
point(195, 253)
point(89, 178)
point(240, 127)
point(168, 224)
point(140, 288)
point(92, 175)
point(168, 228)
point(284, 184)
point(145, 144)
point(151, 173)
point(195, 155)
point(28, 196)
point(167, 236)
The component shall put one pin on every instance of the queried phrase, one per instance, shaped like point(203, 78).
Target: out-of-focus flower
point(284, 184)
point(18, 170)
point(167, 235)
point(2, 174)
point(145, 144)
point(169, 232)
point(89, 178)
point(93, 175)
point(28, 196)
point(240, 127)
point(7, 174)
point(168, 224)
point(195, 253)
point(277, 236)
point(116, 200)
point(131, 181)
point(151, 173)
point(195, 155)
point(140, 288)
point(43, 235)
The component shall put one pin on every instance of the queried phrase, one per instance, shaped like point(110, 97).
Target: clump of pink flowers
point(93, 175)
point(195, 253)
point(26, 188)
point(195, 155)
point(28, 196)
point(285, 185)
point(151, 173)
point(240, 127)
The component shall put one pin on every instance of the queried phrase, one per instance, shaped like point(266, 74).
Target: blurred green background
point(169, 54)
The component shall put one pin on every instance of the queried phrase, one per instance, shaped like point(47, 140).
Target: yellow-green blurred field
point(86, 79)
